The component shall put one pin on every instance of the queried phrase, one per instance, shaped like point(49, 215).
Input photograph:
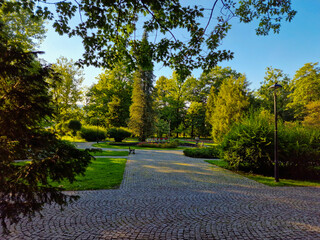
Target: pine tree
point(141, 110)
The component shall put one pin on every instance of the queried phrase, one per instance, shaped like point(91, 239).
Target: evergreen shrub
point(249, 146)
point(118, 134)
point(93, 133)
point(208, 152)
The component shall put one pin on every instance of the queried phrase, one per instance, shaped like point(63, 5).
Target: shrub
point(173, 144)
point(209, 152)
point(249, 147)
point(93, 133)
point(118, 134)
point(75, 126)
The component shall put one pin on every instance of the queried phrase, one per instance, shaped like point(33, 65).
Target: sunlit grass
point(268, 180)
point(109, 153)
point(102, 173)
point(107, 145)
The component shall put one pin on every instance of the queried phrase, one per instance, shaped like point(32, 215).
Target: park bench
point(132, 151)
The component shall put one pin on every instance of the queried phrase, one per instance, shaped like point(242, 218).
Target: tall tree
point(110, 98)
point(305, 88)
point(171, 96)
point(66, 91)
point(109, 27)
point(266, 95)
point(212, 82)
point(229, 106)
point(22, 27)
point(24, 103)
point(141, 110)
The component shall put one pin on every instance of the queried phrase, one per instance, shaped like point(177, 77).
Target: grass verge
point(106, 145)
point(109, 153)
point(268, 180)
point(102, 173)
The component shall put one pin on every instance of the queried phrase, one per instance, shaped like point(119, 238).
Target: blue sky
point(297, 43)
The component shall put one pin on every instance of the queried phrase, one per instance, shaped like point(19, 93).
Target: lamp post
point(276, 164)
point(97, 129)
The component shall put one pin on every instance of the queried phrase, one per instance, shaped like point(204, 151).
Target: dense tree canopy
point(109, 28)
point(110, 98)
point(65, 88)
point(24, 104)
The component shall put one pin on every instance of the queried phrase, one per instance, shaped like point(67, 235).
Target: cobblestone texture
point(165, 195)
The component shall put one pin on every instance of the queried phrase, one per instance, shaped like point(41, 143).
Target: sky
point(297, 43)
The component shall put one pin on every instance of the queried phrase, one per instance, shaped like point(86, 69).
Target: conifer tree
point(141, 110)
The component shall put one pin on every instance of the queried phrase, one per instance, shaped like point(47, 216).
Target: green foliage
point(108, 30)
point(74, 125)
point(266, 95)
point(195, 119)
point(208, 152)
point(312, 114)
point(110, 98)
point(118, 134)
point(24, 105)
point(141, 111)
point(93, 133)
point(305, 88)
point(249, 147)
point(173, 144)
point(64, 88)
point(229, 105)
point(22, 28)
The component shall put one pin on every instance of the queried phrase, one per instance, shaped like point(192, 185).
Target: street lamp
point(276, 164)
point(97, 129)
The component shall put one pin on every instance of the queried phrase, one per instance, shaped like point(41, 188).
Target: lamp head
point(275, 86)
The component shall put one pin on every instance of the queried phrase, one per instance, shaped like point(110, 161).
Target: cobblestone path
point(165, 195)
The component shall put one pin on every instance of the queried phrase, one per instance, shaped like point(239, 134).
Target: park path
point(165, 195)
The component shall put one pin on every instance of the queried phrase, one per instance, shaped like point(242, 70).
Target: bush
point(173, 144)
point(118, 134)
point(93, 133)
point(249, 147)
point(209, 152)
point(75, 126)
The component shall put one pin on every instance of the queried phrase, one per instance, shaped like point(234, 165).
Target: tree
point(110, 98)
point(170, 95)
point(211, 83)
point(305, 88)
point(229, 106)
point(141, 110)
point(109, 28)
point(266, 95)
point(74, 125)
point(195, 119)
point(65, 90)
point(22, 27)
point(312, 114)
point(24, 104)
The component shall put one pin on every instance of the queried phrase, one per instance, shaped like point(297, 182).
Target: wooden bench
point(132, 151)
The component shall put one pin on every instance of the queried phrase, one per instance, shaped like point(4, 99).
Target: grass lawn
point(110, 153)
point(268, 180)
point(102, 173)
point(107, 145)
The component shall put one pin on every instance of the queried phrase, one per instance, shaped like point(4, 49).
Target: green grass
point(102, 173)
point(106, 145)
point(110, 153)
point(268, 180)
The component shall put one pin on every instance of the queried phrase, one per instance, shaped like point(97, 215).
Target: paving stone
point(165, 195)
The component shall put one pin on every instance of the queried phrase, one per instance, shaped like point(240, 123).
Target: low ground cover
point(107, 145)
point(108, 153)
point(267, 180)
point(102, 173)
